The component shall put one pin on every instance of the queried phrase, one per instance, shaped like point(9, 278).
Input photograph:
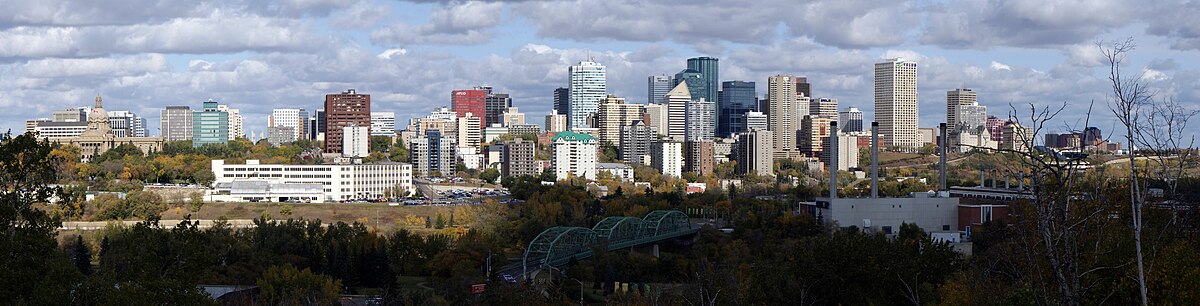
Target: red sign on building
point(478, 288)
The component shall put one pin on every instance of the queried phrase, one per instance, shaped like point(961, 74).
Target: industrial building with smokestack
point(933, 212)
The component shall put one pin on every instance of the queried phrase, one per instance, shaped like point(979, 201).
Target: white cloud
point(389, 53)
point(1000, 66)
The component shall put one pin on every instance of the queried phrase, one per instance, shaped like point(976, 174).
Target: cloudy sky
point(142, 55)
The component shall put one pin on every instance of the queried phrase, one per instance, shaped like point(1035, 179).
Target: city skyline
point(410, 64)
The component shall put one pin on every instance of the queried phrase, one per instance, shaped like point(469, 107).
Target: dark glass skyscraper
point(561, 100)
point(709, 72)
point(695, 83)
point(737, 98)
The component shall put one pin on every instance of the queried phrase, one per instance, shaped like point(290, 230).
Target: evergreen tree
point(428, 222)
point(441, 222)
point(451, 219)
point(82, 256)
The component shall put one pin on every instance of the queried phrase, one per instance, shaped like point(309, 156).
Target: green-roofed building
point(573, 154)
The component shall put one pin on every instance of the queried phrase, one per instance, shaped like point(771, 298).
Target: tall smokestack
point(874, 159)
point(942, 170)
point(833, 159)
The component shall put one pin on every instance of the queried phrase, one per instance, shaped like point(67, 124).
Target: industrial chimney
point(833, 160)
point(874, 159)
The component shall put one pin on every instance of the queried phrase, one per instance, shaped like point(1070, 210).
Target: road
point(1126, 159)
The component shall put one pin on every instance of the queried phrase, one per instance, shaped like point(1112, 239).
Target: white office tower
point(657, 87)
point(383, 124)
point(824, 107)
point(964, 115)
point(851, 120)
point(468, 133)
point(288, 118)
point(667, 157)
point(782, 118)
point(355, 141)
point(896, 103)
point(587, 87)
point(656, 115)
point(700, 120)
point(677, 103)
point(574, 155)
point(755, 121)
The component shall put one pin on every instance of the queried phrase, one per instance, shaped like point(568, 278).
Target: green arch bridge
point(557, 246)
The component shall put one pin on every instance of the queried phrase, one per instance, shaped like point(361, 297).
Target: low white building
point(619, 171)
point(253, 182)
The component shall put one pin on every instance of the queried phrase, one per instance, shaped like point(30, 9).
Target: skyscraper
point(657, 117)
point(823, 107)
point(698, 157)
point(802, 86)
point(495, 104)
point(342, 110)
point(896, 102)
point(612, 115)
point(235, 122)
point(954, 99)
point(694, 79)
point(556, 122)
point(383, 124)
point(573, 154)
point(657, 87)
point(755, 121)
point(753, 153)
point(782, 121)
point(355, 141)
point(470, 101)
point(517, 158)
point(635, 142)
point(709, 70)
point(736, 99)
point(677, 102)
point(288, 118)
point(588, 85)
point(851, 120)
point(667, 157)
point(562, 100)
point(176, 123)
point(698, 120)
point(210, 125)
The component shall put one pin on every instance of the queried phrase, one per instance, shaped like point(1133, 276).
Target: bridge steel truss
point(557, 246)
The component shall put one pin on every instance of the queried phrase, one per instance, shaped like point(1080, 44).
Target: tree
point(82, 256)
point(440, 223)
point(380, 143)
point(35, 270)
point(286, 285)
point(489, 175)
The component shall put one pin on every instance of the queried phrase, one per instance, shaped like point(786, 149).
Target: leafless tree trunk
point(1130, 95)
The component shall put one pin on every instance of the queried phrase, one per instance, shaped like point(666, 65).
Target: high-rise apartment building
point(383, 124)
point(736, 99)
point(517, 158)
point(432, 154)
point(175, 123)
point(658, 118)
point(356, 141)
point(573, 155)
point(709, 70)
point(470, 101)
point(657, 87)
point(342, 110)
point(210, 125)
point(588, 85)
point(612, 115)
point(677, 103)
point(755, 121)
point(896, 102)
point(753, 152)
point(635, 142)
point(1016, 137)
point(236, 127)
point(851, 120)
point(823, 107)
point(782, 121)
point(289, 118)
point(667, 157)
point(556, 122)
point(468, 131)
point(699, 119)
point(698, 157)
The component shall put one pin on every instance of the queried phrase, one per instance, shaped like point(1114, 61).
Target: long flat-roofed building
point(286, 183)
